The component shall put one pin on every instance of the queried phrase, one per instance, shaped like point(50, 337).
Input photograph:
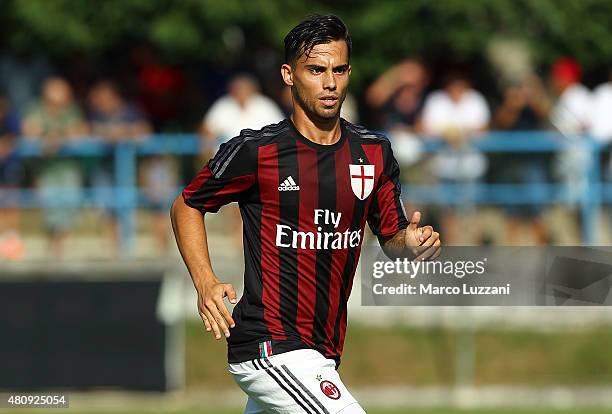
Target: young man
point(306, 187)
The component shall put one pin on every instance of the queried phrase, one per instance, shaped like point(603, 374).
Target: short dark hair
point(315, 30)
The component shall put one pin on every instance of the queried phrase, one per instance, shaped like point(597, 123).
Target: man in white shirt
point(458, 107)
point(243, 107)
point(601, 113)
point(571, 112)
point(456, 114)
point(601, 118)
point(570, 115)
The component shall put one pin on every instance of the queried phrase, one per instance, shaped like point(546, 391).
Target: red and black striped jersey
point(304, 207)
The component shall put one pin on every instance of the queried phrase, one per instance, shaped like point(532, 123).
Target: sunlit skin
point(319, 83)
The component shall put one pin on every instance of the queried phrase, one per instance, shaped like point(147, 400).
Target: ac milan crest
point(362, 179)
point(330, 390)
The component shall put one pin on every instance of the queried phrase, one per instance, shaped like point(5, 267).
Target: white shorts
point(301, 381)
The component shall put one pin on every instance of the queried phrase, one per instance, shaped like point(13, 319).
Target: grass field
point(425, 357)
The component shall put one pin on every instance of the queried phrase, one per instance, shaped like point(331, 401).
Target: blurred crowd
point(407, 101)
point(456, 112)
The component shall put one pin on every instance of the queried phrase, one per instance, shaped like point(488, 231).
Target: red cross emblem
point(362, 179)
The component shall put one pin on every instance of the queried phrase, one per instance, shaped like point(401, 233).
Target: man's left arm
point(398, 237)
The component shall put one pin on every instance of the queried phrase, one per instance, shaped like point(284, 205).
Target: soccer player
point(305, 187)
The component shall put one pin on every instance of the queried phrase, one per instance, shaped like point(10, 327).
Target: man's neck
point(323, 132)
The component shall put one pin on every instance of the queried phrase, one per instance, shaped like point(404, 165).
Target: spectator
point(54, 121)
point(158, 179)
point(11, 177)
point(601, 118)
point(525, 107)
point(161, 88)
point(21, 76)
point(398, 94)
point(601, 121)
point(243, 107)
point(456, 114)
point(114, 120)
point(571, 116)
point(570, 113)
point(55, 118)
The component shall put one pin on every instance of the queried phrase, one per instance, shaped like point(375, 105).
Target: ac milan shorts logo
point(330, 390)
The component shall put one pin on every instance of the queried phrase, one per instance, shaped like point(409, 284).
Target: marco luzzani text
point(473, 271)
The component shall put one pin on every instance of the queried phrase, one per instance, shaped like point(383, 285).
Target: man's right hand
point(212, 309)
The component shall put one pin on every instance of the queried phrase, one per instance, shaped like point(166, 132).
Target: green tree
point(383, 30)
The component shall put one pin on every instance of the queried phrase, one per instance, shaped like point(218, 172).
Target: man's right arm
point(190, 233)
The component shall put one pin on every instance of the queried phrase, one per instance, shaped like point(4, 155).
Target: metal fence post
point(125, 194)
point(591, 199)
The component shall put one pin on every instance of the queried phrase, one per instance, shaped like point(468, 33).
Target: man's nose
point(329, 81)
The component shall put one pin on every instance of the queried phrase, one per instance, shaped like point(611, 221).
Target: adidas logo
point(288, 185)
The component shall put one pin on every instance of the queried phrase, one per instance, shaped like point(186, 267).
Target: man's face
point(57, 93)
point(319, 82)
point(457, 88)
point(105, 100)
point(242, 90)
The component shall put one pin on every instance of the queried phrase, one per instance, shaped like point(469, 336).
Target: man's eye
point(340, 70)
point(316, 71)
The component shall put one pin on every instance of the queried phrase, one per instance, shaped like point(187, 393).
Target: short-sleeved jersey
point(304, 207)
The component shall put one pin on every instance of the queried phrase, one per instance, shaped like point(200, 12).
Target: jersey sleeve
point(386, 215)
point(229, 176)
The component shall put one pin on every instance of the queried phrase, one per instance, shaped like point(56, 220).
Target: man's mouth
point(329, 100)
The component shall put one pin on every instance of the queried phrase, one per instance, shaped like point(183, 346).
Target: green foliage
point(383, 31)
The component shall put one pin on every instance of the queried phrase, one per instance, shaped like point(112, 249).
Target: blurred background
point(499, 112)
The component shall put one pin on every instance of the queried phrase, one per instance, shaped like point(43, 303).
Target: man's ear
point(287, 74)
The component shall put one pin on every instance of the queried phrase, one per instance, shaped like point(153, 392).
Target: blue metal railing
point(592, 194)
point(124, 196)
